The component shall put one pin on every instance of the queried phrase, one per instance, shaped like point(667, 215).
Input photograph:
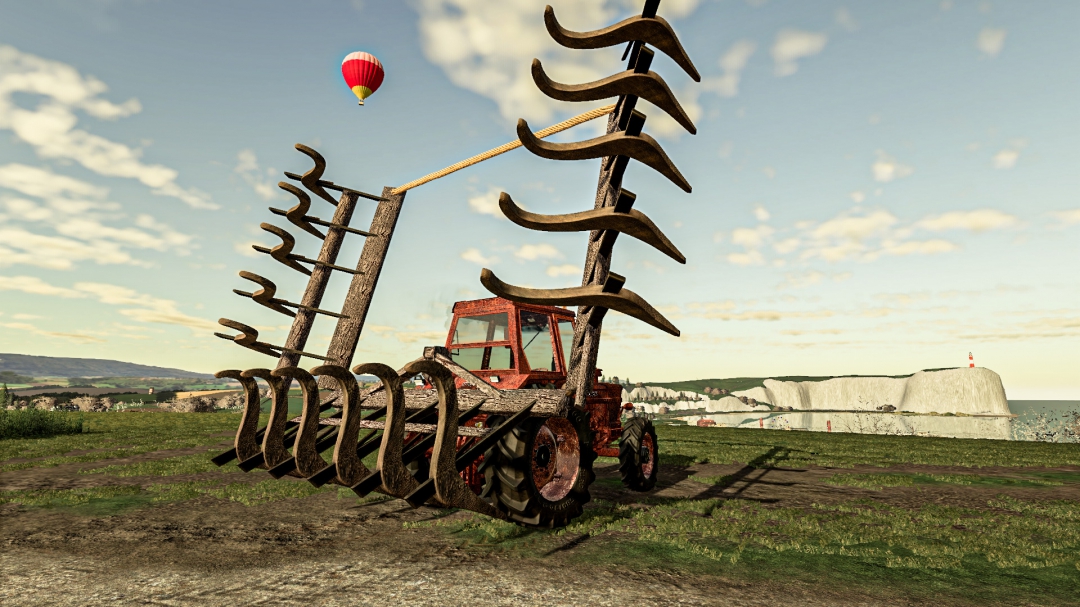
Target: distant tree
point(5, 397)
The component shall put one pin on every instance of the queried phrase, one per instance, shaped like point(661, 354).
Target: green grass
point(35, 423)
point(687, 445)
point(112, 499)
point(113, 435)
point(170, 466)
point(1009, 550)
point(878, 481)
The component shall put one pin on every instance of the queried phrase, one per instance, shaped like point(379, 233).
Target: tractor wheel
point(539, 473)
point(639, 458)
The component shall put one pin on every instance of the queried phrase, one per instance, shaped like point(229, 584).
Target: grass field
point(945, 521)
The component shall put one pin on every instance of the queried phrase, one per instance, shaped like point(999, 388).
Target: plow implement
point(510, 415)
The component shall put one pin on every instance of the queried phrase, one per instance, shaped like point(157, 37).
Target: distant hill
point(48, 366)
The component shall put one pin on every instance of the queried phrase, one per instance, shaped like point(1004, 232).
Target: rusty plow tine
point(449, 488)
point(282, 253)
point(600, 296)
point(312, 178)
point(629, 221)
point(330, 472)
point(652, 30)
point(265, 295)
point(639, 83)
point(298, 214)
point(308, 461)
point(638, 146)
point(245, 444)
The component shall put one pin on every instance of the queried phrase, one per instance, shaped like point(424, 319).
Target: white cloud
point(761, 213)
point(486, 203)
point(920, 247)
point(858, 196)
point(749, 258)
point(144, 308)
point(887, 169)
point(36, 286)
point(1006, 159)
point(732, 62)
point(975, 221)
point(1069, 217)
point(74, 209)
point(792, 45)
point(486, 46)
point(845, 20)
point(41, 183)
point(50, 128)
point(247, 166)
point(532, 252)
point(751, 238)
point(475, 256)
point(75, 337)
point(990, 41)
point(566, 269)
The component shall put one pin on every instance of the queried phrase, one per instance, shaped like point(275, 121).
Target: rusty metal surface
point(273, 444)
point(312, 178)
point(265, 297)
point(631, 222)
point(623, 300)
point(651, 30)
point(450, 488)
point(308, 460)
point(245, 442)
point(641, 147)
point(649, 86)
point(348, 469)
point(298, 214)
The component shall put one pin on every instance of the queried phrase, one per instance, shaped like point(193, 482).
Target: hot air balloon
point(363, 73)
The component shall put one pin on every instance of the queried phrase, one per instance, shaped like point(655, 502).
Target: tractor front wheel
point(639, 457)
point(539, 473)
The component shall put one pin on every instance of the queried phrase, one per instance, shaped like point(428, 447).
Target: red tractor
point(515, 346)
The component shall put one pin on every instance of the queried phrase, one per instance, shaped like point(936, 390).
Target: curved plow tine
point(273, 449)
point(390, 475)
point(650, 30)
point(265, 295)
point(619, 218)
point(343, 467)
point(648, 86)
point(283, 252)
point(246, 443)
point(298, 215)
point(306, 459)
point(311, 178)
point(640, 147)
point(609, 295)
point(249, 337)
point(444, 483)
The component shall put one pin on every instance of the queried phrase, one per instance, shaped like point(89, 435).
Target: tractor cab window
point(486, 327)
point(480, 359)
point(536, 341)
point(566, 336)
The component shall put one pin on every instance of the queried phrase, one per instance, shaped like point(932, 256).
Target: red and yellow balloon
point(363, 73)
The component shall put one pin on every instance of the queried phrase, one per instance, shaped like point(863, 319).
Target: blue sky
point(878, 187)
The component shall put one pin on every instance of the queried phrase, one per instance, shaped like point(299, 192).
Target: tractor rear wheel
point(639, 458)
point(539, 473)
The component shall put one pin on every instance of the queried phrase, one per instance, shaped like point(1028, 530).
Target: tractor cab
point(512, 345)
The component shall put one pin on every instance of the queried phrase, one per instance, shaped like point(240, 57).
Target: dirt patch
point(319, 550)
point(331, 551)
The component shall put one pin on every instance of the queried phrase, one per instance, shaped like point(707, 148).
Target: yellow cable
point(502, 149)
